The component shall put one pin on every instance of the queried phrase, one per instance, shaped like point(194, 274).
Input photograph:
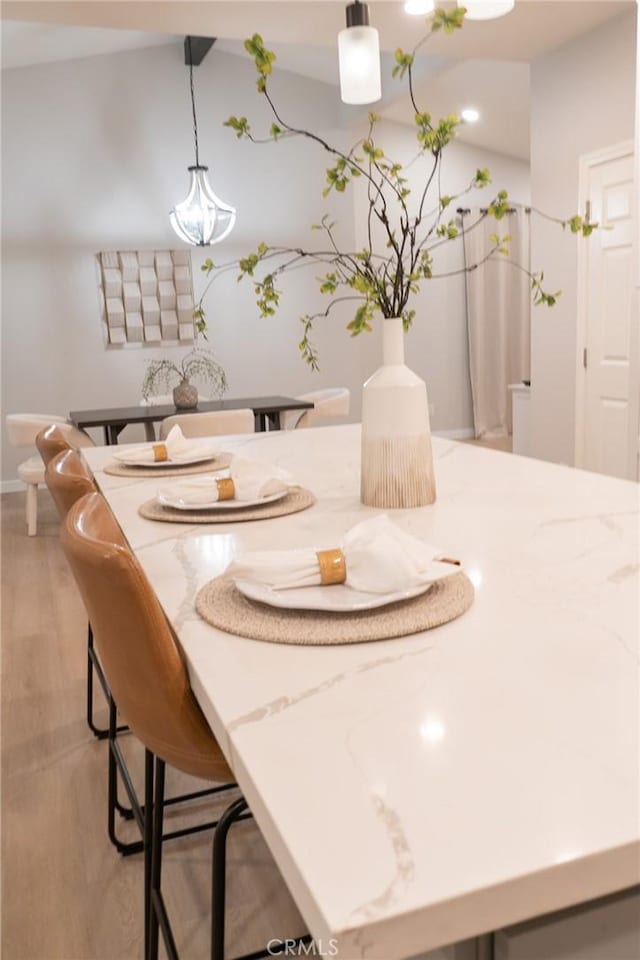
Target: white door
point(611, 376)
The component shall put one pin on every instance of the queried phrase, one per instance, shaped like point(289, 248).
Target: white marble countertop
point(418, 791)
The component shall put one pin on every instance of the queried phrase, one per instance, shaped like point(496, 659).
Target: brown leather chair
point(146, 672)
point(137, 648)
point(68, 479)
point(66, 476)
point(50, 442)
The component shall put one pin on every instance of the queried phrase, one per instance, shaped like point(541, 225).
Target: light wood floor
point(66, 893)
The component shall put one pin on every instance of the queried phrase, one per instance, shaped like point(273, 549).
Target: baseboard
point(462, 433)
point(11, 486)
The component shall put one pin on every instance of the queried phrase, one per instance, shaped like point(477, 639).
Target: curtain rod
point(464, 210)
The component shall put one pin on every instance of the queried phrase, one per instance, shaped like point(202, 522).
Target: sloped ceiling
point(486, 65)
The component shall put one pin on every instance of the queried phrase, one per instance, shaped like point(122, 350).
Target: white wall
point(437, 344)
point(582, 99)
point(95, 154)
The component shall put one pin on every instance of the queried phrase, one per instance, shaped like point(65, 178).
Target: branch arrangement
point(198, 364)
point(383, 279)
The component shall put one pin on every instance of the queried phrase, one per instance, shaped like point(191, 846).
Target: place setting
point(380, 583)
point(177, 455)
point(249, 490)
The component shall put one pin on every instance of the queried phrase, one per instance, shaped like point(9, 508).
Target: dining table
point(426, 789)
point(113, 420)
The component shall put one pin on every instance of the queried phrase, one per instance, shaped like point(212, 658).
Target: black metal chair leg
point(113, 803)
point(156, 857)
point(118, 772)
point(158, 919)
point(101, 733)
point(218, 890)
point(148, 840)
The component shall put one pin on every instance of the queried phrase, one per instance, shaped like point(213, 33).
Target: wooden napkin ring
point(226, 488)
point(333, 567)
point(160, 452)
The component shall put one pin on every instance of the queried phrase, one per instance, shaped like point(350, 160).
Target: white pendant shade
point(486, 9)
point(359, 56)
point(202, 218)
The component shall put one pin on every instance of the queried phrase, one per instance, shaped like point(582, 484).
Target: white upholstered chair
point(22, 430)
point(159, 400)
point(210, 424)
point(327, 404)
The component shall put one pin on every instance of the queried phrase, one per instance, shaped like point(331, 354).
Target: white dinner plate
point(169, 498)
point(337, 598)
point(197, 455)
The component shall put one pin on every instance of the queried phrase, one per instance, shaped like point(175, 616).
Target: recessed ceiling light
point(470, 115)
point(418, 8)
point(486, 9)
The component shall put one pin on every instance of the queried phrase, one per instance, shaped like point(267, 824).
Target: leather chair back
point(138, 650)
point(68, 480)
point(50, 442)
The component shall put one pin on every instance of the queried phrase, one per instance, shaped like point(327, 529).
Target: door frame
point(587, 161)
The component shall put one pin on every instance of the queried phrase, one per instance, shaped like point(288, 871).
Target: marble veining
point(277, 706)
point(411, 800)
point(624, 573)
point(608, 520)
point(190, 571)
point(404, 864)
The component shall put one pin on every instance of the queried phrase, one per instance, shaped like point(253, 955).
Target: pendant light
point(202, 218)
point(486, 9)
point(359, 57)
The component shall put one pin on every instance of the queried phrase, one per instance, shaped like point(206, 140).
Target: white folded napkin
point(252, 480)
point(178, 446)
point(380, 558)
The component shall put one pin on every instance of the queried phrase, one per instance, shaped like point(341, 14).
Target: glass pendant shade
point(202, 218)
point(359, 57)
point(486, 9)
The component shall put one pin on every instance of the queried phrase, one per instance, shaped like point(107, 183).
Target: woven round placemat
point(297, 499)
point(223, 606)
point(221, 462)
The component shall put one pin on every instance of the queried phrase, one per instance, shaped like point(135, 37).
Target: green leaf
point(447, 20)
point(499, 208)
point(239, 124)
point(402, 63)
point(262, 57)
point(362, 319)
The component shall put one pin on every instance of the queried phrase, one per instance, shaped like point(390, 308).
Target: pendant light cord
point(193, 104)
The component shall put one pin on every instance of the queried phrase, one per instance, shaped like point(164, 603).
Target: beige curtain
point(498, 318)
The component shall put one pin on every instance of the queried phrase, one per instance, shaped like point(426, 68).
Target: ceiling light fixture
point(359, 57)
point(486, 9)
point(202, 218)
point(470, 115)
point(419, 8)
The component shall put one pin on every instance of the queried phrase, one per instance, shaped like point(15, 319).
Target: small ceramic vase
point(185, 395)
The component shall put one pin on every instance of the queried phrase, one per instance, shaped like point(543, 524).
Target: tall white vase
point(397, 463)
